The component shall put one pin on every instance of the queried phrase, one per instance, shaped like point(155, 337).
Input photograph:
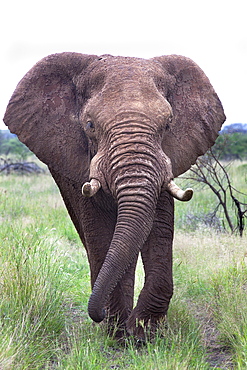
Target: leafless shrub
point(8, 166)
point(211, 172)
point(204, 221)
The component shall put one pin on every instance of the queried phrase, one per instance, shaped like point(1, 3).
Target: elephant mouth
point(89, 189)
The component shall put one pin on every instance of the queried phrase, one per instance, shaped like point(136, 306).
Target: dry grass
point(209, 252)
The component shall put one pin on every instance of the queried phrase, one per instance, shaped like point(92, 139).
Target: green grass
point(44, 289)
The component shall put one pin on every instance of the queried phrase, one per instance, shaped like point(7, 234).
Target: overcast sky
point(211, 32)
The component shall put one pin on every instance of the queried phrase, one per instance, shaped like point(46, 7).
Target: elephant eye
point(90, 125)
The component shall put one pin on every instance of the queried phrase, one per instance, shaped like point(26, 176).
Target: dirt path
point(218, 355)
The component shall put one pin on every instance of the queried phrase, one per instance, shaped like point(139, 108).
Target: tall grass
point(44, 288)
point(230, 309)
point(31, 314)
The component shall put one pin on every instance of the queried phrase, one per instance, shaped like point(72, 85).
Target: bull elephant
point(115, 132)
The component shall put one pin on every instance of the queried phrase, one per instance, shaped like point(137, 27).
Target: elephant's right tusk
point(176, 192)
point(89, 189)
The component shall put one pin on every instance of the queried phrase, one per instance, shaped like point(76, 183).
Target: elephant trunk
point(136, 183)
point(134, 222)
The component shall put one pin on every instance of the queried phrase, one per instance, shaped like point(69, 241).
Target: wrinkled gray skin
point(130, 126)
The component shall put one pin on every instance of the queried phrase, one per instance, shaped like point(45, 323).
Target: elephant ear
point(43, 113)
point(197, 112)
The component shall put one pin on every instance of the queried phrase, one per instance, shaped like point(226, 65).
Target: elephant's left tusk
point(89, 189)
point(176, 192)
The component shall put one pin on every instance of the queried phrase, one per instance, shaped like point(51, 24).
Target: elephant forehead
point(137, 71)
point(119, 69)
point(127, 104)
point(119, 84)
point(130, 83)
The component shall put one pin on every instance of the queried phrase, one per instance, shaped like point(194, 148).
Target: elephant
point(115, 132)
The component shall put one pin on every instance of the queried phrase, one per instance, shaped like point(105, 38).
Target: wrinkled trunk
point(134, 222)
point(136, 183)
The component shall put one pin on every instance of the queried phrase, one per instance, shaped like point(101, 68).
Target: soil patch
point(218, 354)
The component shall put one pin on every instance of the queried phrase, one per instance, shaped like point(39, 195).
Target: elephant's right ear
point(43, 109)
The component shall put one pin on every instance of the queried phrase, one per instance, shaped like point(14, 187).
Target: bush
point(14, 146)
point(9, 144)
point(231, 146)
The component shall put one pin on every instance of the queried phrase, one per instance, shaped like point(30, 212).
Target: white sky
point(211, 32)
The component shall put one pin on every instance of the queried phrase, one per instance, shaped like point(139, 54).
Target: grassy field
point(44, 289)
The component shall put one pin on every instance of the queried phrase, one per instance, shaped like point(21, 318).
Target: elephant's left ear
point(43, 113)
point(197, 111)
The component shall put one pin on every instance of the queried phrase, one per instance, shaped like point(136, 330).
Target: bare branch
point(209, 171)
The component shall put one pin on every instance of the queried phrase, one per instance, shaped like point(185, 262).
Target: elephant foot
point(145, 328)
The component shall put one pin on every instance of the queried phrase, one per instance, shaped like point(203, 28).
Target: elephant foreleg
point(153, 302)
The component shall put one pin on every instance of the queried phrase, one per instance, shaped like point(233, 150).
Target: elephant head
point(122, 128)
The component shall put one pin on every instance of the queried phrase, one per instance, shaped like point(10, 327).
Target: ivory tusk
point(176, 192)
point(89, 189)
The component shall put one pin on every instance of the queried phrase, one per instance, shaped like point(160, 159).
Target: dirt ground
point(218, 355)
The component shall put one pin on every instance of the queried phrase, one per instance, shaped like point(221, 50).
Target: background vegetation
point(232, 142)
point(44, 288)
point(10, 145)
